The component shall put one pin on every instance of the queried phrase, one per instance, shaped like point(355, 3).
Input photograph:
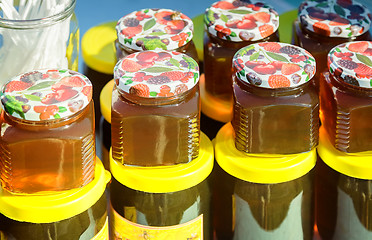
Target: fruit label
point(352, 63)
point(46, 94)
point(246, 224)
point(150, 29)
point(238, 21)
point(274, 65)
point(335, 18)
point(125, 229)
point(156, 73)
point(103, 234)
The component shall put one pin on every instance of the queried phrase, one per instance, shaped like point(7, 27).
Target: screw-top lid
point(274, 65)
point(335, 18)
point(150, 29)
point(156, 73)
point(352, 63)
point(238, 21)
point(46, 94)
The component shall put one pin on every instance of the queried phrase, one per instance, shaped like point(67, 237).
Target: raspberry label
point(352, 63)
point(274, 65)
point(46, 94)
point(335, 18)
point(151, 29)
point(156, 74)
point(239, 21)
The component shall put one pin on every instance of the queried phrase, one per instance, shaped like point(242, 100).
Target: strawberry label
point(239, 21)
point(156, 73)
point(274, 65)
point(352, 63)
point(335, 18)
point(150, 29)
point(46, 94)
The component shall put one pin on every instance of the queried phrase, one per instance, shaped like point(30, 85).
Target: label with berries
point(352, 63)
point(274, 65)
point(46, 94)
point(151, 29)
point(156, 73)
point(335, 18)
point(238, 21)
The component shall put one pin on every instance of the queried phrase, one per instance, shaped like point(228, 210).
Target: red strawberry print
point(180, 89)
point(277, 64)
point(141, 90)
point(363, 70)
point(278, 81)
point(358, 47)
point(174, 75)
point(290, 68)
point(140, 16)
point(174, 26)
point(321, 28)
point(265, 69)
point(131, 31)
point(17, 86)
point(69, 82)
point(368, 52)
point(188, 76)
point(224, 5)
point(164, 17)
point(65, 94)
point(147, 56)
point(246, 24)
point(266, 30)
point(270, 46)
point(262, 17)
point(88, 91)
point(130, 66)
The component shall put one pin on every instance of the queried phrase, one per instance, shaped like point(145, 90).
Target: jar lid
point(259, 168)
point(98, 47)
point(351, 62)
point(166, 179)
point(335, 18)
point(150, 29)
point(55, 207)
point(274, 65)
point(156, 73)
point(353, 165)
point(238, 21)
point(46, 94)
point(105, 100)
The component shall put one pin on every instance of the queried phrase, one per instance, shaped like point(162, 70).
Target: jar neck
point(341, 85)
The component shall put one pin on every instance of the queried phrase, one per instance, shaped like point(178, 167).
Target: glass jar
point(231, 25)
point(98, 51)
point(74, 214)
point(171, 202)
point(150, 29)
point(44, 37)
point(323, 25)
point(345, 97)
point(275, 105)
point(47, 132)
point(155, 109)
point(343, 193)
point(260, 196)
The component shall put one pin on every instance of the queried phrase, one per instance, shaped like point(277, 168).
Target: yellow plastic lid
point(98, 47)
point(199, 35)
point(55, 207)
point(212, 106)
point(259, 168)
point(352, 165)
point(285, 29)
point(168, 178)
point(105, 99)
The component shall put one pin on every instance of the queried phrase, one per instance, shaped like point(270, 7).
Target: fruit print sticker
point(335, 18)
point(46, 94)
point(156, 73)
point(150, 29)
point(274, 65)
point(352, 63)
point(238, 21)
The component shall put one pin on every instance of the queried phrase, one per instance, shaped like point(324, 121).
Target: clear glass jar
point(42, 39)
point(170, 30)
point(155, 109)
point(275, 105)
point(172, 201)
point(47, 132)
point(260, 196)
point(73, 214)
point(345, 97)
point(322, 26)
point(343, 193)
point(230, 26)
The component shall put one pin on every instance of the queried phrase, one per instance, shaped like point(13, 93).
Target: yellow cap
point(105, 99)
point(168, 178)
point(198, 22)
point(352, 165)
point(213, 107)
point(259, 168)
point(54, 207)
point(98, 47)
point(286, 25)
